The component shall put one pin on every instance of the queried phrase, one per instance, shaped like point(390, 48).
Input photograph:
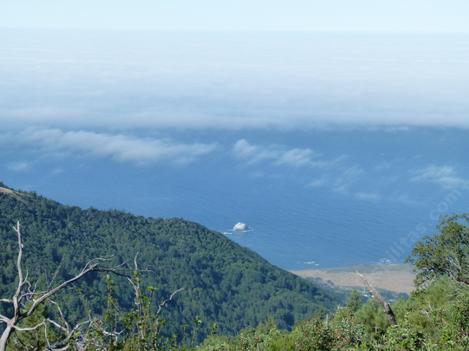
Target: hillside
point(224, 282)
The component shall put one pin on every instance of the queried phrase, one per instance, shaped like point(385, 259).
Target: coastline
point(397, 278)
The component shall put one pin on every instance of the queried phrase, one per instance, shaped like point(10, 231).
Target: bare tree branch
point(377, 296)
point(54, 276)
point(61, 315)
point(26, 292)
point(89, 267)
point(17, 294)
point(165, 302)
point(24, 329)
point(27, 299)
point(63, 344)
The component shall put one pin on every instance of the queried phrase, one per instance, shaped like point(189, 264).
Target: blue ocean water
point(373, 200)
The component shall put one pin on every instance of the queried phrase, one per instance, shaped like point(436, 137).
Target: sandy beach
point(396, 278)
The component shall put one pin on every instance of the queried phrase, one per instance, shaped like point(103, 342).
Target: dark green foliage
point(224, 283)
point(444, 254)
point(433, 319)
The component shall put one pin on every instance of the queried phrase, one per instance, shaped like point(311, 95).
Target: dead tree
point(142, 307)
point(26, 300)
point(377, 297)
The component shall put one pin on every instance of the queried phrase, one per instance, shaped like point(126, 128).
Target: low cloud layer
point(192, 115)
point(445, 176)
point(118, 147)
point(278, 155)
point(256, 81)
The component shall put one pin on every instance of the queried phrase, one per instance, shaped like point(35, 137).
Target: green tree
point(445, 254)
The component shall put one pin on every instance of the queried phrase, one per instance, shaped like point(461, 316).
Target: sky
point(232, 80)
point(338, 130)
point(215, 15)
point(234, 64)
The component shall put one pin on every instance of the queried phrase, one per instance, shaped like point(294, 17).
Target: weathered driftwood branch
point(377, 296)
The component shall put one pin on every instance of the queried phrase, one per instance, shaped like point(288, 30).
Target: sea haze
point(336, 149)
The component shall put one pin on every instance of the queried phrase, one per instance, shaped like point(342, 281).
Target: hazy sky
point(383, 15)
point(203, 77)
point(232, 80)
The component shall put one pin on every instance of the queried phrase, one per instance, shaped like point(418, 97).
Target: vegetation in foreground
point(432, 319)
point(435, 317)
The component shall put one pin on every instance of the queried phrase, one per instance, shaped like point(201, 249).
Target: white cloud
point(19, 166)
point(347, 178)
point(345, 183)
point(118, 147)
point(279, 155)
point(57, 171)
point(297, 158)
point(367, 196)
point(317, 183)
point(445, 176)
point(383, 166)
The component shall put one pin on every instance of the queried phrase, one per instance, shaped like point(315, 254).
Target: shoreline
point(397, 278)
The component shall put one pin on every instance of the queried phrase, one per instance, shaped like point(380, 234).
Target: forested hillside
point(224, 283)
